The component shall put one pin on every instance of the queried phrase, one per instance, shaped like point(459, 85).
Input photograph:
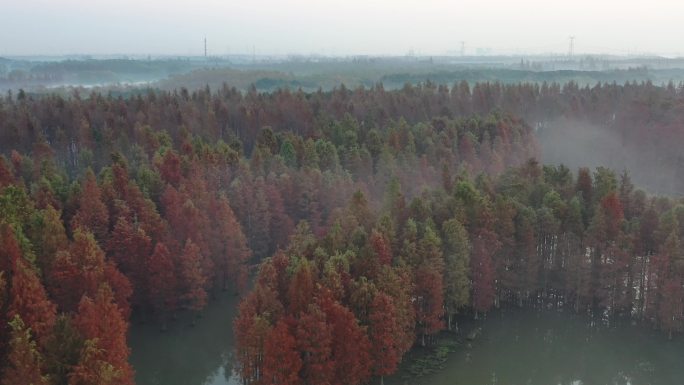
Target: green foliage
point(432, 360)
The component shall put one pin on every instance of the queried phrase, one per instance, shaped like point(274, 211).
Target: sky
point(350, 27)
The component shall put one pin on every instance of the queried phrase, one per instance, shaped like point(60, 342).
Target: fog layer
point(580, 144)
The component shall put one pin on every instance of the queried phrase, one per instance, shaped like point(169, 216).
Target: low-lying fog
point(580, 144)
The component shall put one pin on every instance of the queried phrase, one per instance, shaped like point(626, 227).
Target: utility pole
point(572, 46)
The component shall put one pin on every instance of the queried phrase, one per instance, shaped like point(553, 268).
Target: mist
point(574, 143)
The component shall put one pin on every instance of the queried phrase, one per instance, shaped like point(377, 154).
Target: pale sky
point(381, 27)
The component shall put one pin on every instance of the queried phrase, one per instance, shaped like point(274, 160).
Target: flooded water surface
point(551, 348)
point(513, 348)
point(185, 354)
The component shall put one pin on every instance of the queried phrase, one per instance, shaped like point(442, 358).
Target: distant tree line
point(644, 119)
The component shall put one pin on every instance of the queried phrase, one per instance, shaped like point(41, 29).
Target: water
point(551, 348)
point(188, 355)
point(514, 348)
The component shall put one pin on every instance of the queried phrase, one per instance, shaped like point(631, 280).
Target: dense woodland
point(370, 218)
point(642, 122)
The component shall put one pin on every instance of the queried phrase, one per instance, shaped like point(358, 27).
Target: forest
point(355, 224)
point(269, 73)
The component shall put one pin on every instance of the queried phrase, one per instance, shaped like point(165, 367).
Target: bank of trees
point(379, 220)
point(101, 225)
point(535, 236)
point(639, 119)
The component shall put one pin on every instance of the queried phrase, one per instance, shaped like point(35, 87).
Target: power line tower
point(571, 51)
point(462, 48)
point(205, 47)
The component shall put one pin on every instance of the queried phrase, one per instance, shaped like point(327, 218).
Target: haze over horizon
point(382, 27)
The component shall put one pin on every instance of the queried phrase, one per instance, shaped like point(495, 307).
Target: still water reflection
point(187, 355)
point(514, 348)
point(551, 348)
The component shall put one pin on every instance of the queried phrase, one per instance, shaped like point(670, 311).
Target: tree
point(129, 247)
point(3, 317)
point(10, 251)
point(671, 306)
point(192, 280)
point(281, 223)
point(92, 214)
point(381, 248)
point(398, 284)
point(30, 302)
point(24, 361)
point(100, 319)
point(265, 296)
point(429, 286)
point(282, 362)
point(251, 331)
point(314, 342)
point(228, 246)
point(6, 174)
point(586, 192)
point(429, 301)
point(287, 151)
point(93, 368)
point(456, 269)
point(80, 271)
point(169, 167)
point(52, 238)
point(668, 281)
point(483, 272)
point(162, 280)
point(62, 350)
point(384, 332)
point(350, 346)
point(300, 292)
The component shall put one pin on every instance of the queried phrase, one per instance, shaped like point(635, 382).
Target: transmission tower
point(571, 51)
point(205, 47)
point(462, 48)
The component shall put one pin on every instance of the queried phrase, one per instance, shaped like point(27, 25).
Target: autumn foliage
point(370, 220)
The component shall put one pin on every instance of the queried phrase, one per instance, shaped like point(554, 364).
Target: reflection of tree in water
point(186, 355)
point(229, 366)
